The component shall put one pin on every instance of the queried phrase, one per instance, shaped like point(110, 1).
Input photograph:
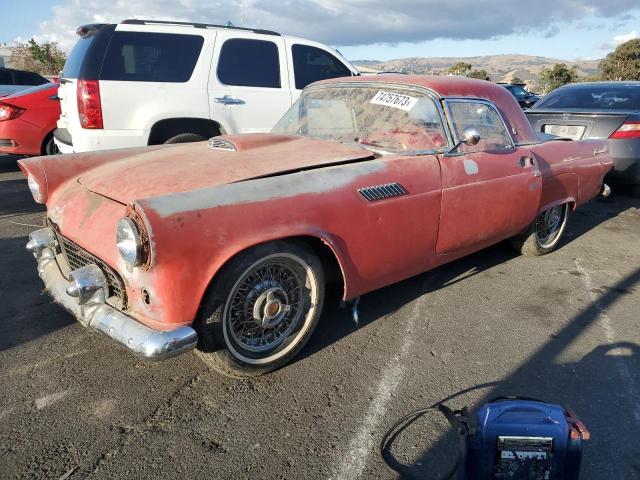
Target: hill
point(501, 68)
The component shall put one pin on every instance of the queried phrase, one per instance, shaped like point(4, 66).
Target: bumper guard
point(85, 297)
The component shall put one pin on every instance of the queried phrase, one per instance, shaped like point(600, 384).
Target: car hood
point(146, 173)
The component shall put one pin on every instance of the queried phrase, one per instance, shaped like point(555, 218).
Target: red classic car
point(227, 243)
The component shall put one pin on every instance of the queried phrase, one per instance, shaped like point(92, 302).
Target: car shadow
point(590, 387)
point(27, 310)
point(336, 322)
point(9, 163)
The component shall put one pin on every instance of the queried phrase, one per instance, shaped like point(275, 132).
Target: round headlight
point(129, 242)
point(37, 191)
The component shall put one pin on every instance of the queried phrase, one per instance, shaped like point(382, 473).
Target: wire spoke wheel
point(550, 224)
point(264, 306)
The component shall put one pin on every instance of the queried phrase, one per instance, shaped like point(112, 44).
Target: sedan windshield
point(385, 117)
point(593, 97)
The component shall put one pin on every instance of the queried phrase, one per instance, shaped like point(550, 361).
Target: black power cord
point(399, 426)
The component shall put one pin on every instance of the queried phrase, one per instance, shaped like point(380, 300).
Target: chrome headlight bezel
point(129, 242)
point(38, 191)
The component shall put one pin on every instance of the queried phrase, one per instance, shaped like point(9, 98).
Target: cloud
point(619, 39)
point(344, 22)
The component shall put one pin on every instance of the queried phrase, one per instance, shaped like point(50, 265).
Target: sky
point(365, 29)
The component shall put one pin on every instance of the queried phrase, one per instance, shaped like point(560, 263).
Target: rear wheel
point(185, 138)
point(49, 146)
point(261, 309)
point(545, 233)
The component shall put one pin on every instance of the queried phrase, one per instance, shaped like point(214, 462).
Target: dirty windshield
point(382, 117)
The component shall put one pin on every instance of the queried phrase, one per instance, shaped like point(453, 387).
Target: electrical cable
point(392, 433)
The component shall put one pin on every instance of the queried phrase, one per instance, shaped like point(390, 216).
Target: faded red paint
point(201, 207)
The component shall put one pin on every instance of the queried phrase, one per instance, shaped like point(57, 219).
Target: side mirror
point(470, 137)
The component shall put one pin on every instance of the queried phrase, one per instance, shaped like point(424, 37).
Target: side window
point(151, 57)
point(249, 63)
point(311, 64)
point(483, 117)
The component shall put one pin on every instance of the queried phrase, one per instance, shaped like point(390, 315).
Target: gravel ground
point(563, 327)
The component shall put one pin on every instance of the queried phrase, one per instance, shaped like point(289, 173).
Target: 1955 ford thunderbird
point(226, 244)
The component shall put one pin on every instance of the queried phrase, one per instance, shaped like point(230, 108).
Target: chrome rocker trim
point(84, 297)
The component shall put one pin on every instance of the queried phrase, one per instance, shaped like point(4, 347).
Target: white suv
point(144, 82)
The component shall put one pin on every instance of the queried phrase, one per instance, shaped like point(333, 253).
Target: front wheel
point(261, 309)
point(544, 234)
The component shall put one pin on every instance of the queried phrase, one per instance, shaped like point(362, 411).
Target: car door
point(249, 85)
point(490, 191)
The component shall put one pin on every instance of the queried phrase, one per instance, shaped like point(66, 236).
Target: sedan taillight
point(9, 112)
point(89, 105)
point(630, 129)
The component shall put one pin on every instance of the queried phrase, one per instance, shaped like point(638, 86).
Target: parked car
point(145, 82)
point(525, 99)
point(597, 110)
point(12, 81)
point(28, 119)
point(228, 243)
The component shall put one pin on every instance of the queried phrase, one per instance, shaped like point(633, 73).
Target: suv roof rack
point(135, 21)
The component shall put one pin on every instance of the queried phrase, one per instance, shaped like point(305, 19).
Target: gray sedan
point(597, 110)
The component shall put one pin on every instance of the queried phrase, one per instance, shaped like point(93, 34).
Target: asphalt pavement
point(563, 327)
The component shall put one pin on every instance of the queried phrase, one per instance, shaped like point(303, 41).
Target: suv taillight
point(629, 129)
point(89, 106)
point(9, 112)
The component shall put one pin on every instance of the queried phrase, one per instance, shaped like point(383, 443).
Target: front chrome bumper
point(85, 297)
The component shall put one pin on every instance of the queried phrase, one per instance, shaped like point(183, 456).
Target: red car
point(227, 244)
point(28, 119)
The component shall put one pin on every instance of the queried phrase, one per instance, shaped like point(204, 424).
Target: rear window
point(151, 57)
point(249, 63)
point(28, 78)
point(5, 77)
point(74, 61)
point(311, 64)
point(593, 97)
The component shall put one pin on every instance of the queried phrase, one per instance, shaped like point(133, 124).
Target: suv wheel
point(185, 138)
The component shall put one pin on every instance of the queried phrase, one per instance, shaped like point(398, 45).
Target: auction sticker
point(395, 100)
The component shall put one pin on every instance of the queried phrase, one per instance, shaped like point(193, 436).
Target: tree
point(623, 63)
point(558, 75)
point(460, 68)
point(45, 58)
point(517, 80)
point(481, 74)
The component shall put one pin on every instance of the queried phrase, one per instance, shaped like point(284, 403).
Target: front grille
point(77, 257)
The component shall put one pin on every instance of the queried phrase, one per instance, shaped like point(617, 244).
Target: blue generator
point(513, 438)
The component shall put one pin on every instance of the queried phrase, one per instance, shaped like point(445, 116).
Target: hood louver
point(222, 144)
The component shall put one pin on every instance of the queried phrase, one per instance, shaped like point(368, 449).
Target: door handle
point(229, 100)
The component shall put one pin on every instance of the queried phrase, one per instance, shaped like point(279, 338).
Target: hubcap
point(264, 306)
point(549, 224)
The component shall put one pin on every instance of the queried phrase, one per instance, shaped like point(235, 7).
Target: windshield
point(593, 97)
point(385, 117)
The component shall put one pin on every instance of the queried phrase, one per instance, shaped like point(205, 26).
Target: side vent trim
point(216, 143)
point(383, 192)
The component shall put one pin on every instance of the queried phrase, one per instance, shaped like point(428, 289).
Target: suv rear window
point(74, 61)
point(151, 57)
point(311, 64)
point(249, 63)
